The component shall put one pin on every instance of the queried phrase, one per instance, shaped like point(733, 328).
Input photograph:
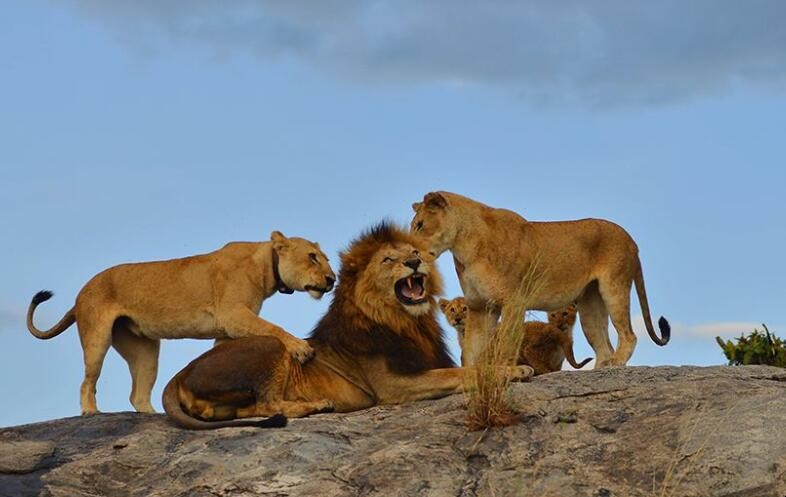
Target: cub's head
point(455, 312)
point(434, 222)
point(389, 274)
point(302, 266)
point(564, 319)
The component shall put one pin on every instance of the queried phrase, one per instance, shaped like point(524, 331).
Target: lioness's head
point(564, 319)
point(391, 272)
point(302, 266)
point(434, 222)
point(455, 312)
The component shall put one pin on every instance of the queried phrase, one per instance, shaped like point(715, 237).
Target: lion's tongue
point(413, 290)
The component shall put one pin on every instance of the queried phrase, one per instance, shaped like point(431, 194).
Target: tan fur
point(216, 295)
point(591, 261)
point(371, 348)
point(544, 346)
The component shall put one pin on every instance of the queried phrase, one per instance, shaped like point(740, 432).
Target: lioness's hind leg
point(617, 299)
point(95, 333)
point(594, 318)
point(141, 354)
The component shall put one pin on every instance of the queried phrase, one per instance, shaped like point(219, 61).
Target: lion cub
point(544, 346)
point(131, 307)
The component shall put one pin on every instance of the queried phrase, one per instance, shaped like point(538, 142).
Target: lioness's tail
point(61, 326)
point(567, 347)
point(174, 410)
point(665, 328)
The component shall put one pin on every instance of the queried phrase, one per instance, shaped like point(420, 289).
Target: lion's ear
point(444, 303)
point(435, 200)
point(416, 206)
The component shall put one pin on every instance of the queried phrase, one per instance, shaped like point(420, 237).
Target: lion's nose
point(413, 263)
point(330, 280)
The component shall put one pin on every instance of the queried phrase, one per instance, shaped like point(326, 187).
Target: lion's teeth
point(409, 283)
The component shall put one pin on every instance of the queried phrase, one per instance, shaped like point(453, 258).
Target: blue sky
point(149, 130)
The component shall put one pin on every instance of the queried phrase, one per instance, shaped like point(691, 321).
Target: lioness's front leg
point(476, 333)
point(435, 383)
point(242, 322)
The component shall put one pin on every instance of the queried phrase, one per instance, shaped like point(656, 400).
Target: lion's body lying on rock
point(215, 295)
point(378, 343)
point(591, 261)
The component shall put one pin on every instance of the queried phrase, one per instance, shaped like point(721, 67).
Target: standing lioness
point(214, 295)
point(591, 261)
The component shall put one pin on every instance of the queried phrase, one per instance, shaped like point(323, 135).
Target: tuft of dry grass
point(486, 384)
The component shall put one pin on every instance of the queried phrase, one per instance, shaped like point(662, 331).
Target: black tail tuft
point(42, 296)
point(275, 421)
point(665, 329)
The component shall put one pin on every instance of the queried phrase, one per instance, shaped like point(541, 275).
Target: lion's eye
point(415, 252)
point(387, 260)
point(419, 226)
point(313, 257)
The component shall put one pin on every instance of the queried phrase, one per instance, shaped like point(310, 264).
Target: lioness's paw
point(521, 373)
point(300, 350)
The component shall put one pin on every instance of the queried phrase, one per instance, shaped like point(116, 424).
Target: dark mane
point(417, 346)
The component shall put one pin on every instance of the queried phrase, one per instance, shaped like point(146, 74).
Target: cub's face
point(401, 275)
point(564, 319)
point(455, 312)
point(302, 266)
point(433, 223)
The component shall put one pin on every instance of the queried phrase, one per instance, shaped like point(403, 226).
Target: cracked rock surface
point(627, 432)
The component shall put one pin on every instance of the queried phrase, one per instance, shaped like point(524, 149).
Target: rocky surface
point(665, 431)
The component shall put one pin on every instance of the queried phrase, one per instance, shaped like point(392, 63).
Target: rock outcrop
point(627, 432)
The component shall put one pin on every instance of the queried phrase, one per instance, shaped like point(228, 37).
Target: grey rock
point(23, 456)
point(625, 432)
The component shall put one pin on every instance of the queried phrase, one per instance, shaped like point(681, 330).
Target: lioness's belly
point(200, 324)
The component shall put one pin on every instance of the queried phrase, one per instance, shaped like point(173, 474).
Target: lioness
point(544, 345)
point(591, 261)
point(378, 343)
point(214, 295)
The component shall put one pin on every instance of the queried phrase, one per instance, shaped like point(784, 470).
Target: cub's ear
point(435, 200)
point(416, 206)
point(444, 303)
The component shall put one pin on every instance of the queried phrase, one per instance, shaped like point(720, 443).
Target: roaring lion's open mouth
point(412, 289)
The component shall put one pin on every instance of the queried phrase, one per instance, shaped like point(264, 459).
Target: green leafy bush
point(758, 347)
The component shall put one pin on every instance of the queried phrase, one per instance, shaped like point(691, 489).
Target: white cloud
point(597, 53)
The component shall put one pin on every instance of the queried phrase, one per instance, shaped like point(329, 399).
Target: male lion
point(590, 261)
point(378, 343)
point(544, 345)
point(214, 295)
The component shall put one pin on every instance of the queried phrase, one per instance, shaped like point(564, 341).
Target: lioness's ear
point(444, 303)
point(279, 240)
point(435, 200)
point(416, 206)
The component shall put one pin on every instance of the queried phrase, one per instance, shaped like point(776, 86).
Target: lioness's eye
point(313, 257)
point(419, 226)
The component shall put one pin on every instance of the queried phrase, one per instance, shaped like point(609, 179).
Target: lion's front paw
point(325, 406)
point(521, 373)
point(300, 350)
